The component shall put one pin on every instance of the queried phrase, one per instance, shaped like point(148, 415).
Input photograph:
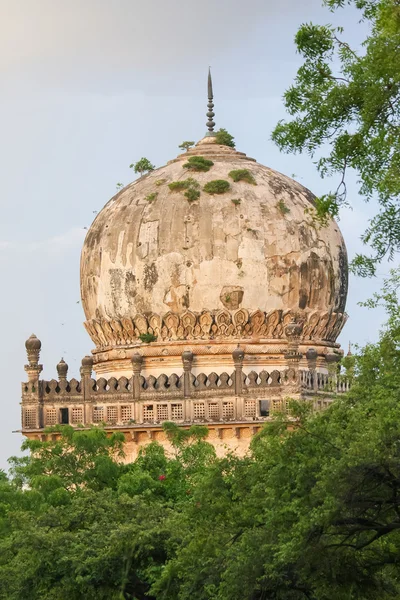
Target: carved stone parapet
point(215, 325)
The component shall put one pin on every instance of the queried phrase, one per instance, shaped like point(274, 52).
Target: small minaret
point(210, 105)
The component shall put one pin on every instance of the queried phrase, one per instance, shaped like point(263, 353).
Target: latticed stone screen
point(176, 412)
point(148, 412)
point(249, 408)
point(280, 405)
point(199, 410)
point(227, 410)
point(77, 415)
point(126, 413)
point(112, 414)
point(162, 412)
point(213, 410)
point(51, 416)
point(98, 414)
point(30, 417)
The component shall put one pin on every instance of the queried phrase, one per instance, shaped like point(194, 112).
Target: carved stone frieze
point(218, 325)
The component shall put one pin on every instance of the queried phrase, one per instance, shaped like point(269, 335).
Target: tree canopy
point(312, 512)
point(345, 113)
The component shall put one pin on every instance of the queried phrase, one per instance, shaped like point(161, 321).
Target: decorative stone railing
point(185, 398)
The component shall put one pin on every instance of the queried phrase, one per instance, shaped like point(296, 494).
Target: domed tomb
point(208, 272)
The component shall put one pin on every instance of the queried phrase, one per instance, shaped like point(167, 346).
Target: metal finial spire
point(210, 105)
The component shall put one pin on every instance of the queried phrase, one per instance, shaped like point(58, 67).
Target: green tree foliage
point(242, 175)
point(190, 186)
point(224, 138)
point(198, 163)
point(345, 112)
point(142, 166)
point(217, 186)
point(313, 511)
point(186, 145)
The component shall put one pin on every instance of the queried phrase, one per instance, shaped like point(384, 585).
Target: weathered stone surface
point(170, 257)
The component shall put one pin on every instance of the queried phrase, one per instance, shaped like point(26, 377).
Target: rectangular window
point(112, 414)
point(227, 410)
point(264, 408)
point(198, 410)
point(148, 413)
point(176, 412)
point(249, 408)
point(213, 410)
point(77, 415)
point(126, 413)
point(162, 412)
point(98, 414)
point(64, 416)
point(51, 416)
point(30, 418)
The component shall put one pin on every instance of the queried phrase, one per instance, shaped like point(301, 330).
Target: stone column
point(332, 358)
point(292, 355)
point(238, 356)
point(33, 369)
point(311, 356)
point(187, 360)
point(137, 364)
point(86, 385)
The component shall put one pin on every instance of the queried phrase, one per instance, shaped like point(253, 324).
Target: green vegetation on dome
point(191, 186)
point(142, 166)
point(192, 194)
point(198, 163)
point(147, 338)
point(160, 182)
point(224, 138)
point(242, 175)
point(282, 207)
point(151, 197)
point(236, 201)
point(217, 186)
point(186, 145)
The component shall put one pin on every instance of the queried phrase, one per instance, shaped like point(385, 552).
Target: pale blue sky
point(87, 87)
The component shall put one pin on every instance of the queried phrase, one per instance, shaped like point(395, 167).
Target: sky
point(89, 86)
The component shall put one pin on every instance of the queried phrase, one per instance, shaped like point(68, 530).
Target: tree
point(186, 145)
point(313, 513)
point(142, 166)
point(346, 114)
point(224, 138)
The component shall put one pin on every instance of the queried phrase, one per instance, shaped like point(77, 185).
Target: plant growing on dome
point(236, 201)
point(191, 194)
point(191, 186)
point(119, 186)
point(224, 138)
point(186, 145)
point(242, 175)
point(217, 186)
point(198, 163)
point(160, 182)
point(151, 197)
point(142, 166)
point(147, 338)
point(281, 206)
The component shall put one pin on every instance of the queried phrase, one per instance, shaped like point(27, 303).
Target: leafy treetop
point(186, 145)
point(345, 111)
point(224, 138)
point(142, 166)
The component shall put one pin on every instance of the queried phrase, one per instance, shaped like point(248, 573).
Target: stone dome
point(223, 268)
